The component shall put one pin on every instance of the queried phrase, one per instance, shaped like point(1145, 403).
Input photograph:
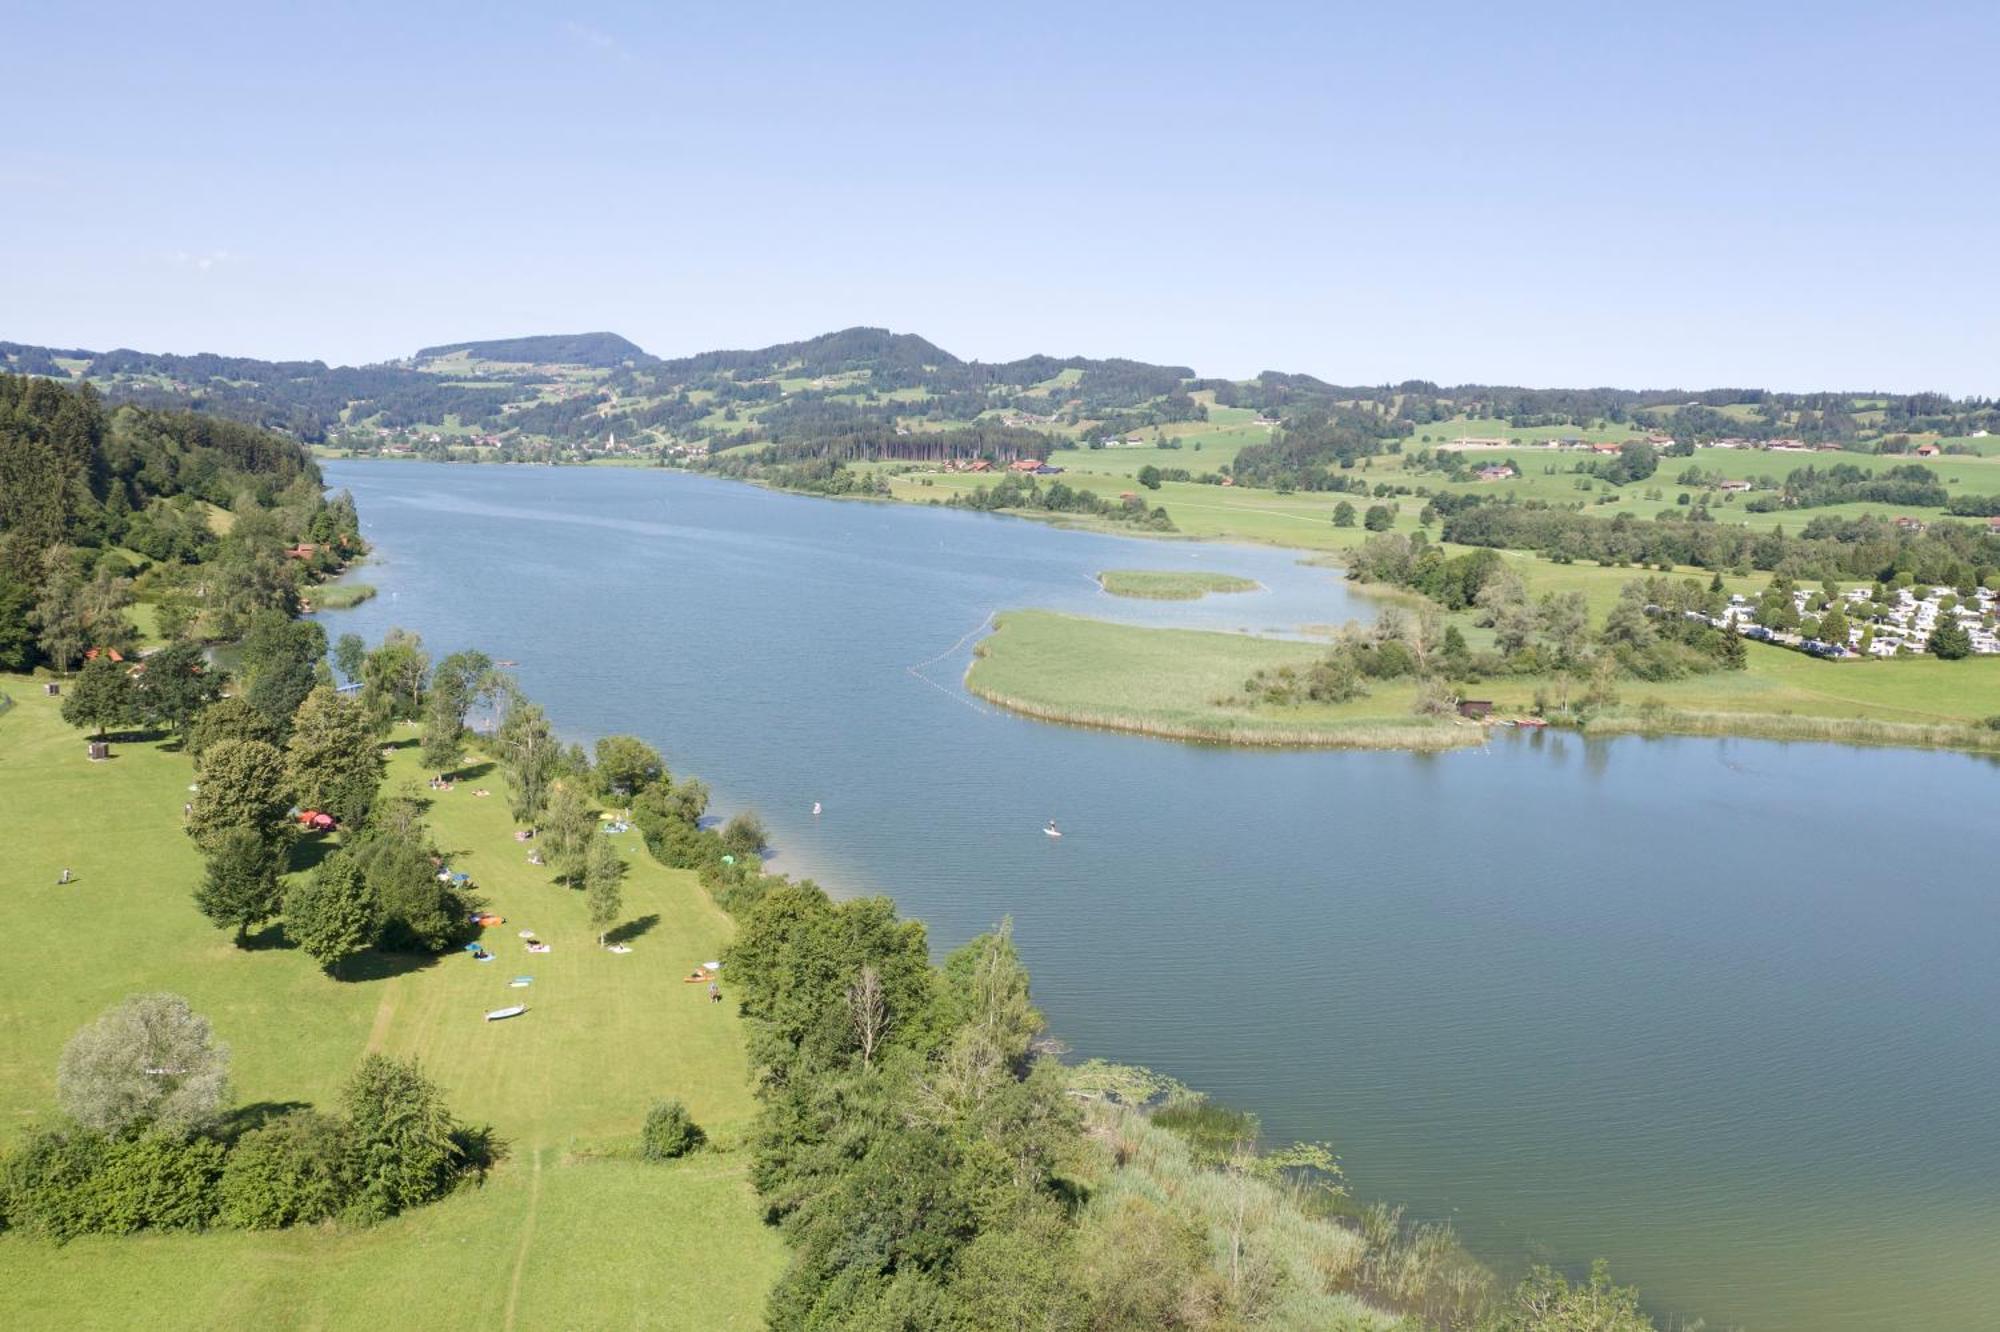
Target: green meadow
point(1188, 684)
point(569, 1219)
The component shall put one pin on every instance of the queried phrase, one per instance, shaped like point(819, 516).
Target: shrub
point(292, 1171)
point(404, 1150)
point(745, 835)
point(159, 1183)
point(46, 1185)
point(669, 1132)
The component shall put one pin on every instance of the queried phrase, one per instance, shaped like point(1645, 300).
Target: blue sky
point(1794, 196)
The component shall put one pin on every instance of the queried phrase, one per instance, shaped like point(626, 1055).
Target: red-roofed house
point(1025, 465)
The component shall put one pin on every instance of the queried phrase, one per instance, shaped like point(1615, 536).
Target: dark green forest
point(99, 503)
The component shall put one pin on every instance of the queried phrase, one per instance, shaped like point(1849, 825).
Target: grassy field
point(1171, 585)
point(1184, 684)
point(568, 1220)
point(1189, 685)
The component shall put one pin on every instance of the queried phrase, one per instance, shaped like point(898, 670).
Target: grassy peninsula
point(1191, 685)
point(1180, 683)
point(1171, 584)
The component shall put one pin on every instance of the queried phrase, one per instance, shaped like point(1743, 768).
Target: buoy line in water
point(957, 696)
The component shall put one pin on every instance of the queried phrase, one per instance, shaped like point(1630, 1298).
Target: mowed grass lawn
point(569, 1230)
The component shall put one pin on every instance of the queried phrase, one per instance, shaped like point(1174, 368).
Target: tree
point(745, 835)
point(1149, 477)
point(627, 765)
point(59, 611)
point(175, 685)
point(1637, 460)
point(1565, 622)
point(331, 760)
point(568, 832)
point(456, 685)
point(350, 652)
point(151, 1061)
point(240, 884)
point(530, 751)
point(230, 718)
point(405, 1148)
point(1834, 627)
point(1380, 518)
point(1343, 514)
point(241, 784)
point(331, 915)
point(100, 697)
point(868, 1010)
point(394, 678)
point(1949, 639)
point(603, 870)
point(278, 661)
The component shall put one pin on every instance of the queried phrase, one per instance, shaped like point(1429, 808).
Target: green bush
point(669, 1132)
point(405, 1147)
point(155, 1182)
point(46, 1185)
point(292, 1171)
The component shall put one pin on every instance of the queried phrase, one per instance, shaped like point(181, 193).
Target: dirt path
point(527, 1237)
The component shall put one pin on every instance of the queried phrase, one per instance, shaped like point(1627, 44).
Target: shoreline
point(1364, 735)
point(1966, 737)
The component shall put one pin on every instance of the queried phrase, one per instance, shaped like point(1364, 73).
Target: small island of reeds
point(1171, 585)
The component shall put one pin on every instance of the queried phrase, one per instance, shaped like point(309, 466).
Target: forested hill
point(874, 393)
point(209, 521)
point(602, 350)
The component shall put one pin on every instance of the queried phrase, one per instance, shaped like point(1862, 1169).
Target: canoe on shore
point(499, 1013)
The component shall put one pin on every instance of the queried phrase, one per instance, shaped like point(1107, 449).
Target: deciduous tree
point(331, 759)
point(241, 784)
point(151, 1061)
point(100, 697)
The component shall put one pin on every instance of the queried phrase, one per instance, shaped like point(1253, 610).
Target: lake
point(1721, 1011)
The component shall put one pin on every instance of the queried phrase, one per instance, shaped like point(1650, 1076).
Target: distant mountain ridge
point(872, 392)
point(603, 350)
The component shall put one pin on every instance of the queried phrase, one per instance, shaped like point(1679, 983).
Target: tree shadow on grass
point(632, 929)
point(471, 772)
point(375, 965)
point(271, 936)
point(308, 852)
point(246, 1118)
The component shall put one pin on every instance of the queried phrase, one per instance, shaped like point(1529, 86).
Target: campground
point(569, 1215)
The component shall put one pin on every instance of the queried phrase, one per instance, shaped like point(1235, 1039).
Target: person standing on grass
point(714, 993)
point(65, 876)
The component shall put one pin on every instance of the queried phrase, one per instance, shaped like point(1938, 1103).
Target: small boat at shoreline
point(499, 1013)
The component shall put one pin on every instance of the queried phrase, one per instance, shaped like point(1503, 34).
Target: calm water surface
point(1721, 1011)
